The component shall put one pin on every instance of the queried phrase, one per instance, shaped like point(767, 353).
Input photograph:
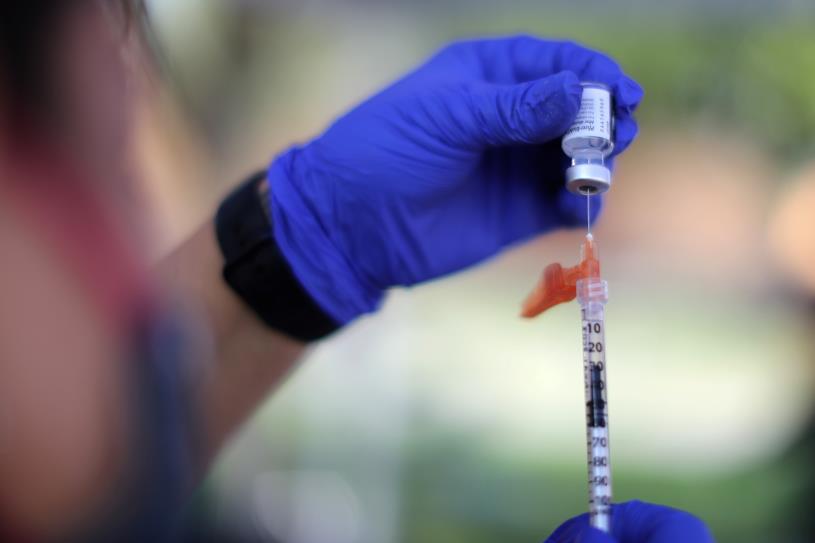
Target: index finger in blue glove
point(518, 59)
point(532, 57)
point(484, 114)
point(525, 58)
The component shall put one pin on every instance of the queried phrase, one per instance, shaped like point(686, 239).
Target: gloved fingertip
point(563, 87)
point(629, 93)
point(571, 83)
point(572, 92)
point(610, 163)
point(625, 132)
point(547, 108)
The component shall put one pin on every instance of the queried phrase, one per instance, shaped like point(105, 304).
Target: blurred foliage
point(760, 79)
point(754, 74)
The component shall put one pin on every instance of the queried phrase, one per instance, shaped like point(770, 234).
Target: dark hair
point(26, 48)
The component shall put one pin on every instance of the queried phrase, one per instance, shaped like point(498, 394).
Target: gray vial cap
point(588, 179)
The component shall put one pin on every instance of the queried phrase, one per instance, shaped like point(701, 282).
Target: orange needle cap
point(558, 284)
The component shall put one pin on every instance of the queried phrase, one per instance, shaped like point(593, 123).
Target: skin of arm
point(250, 358)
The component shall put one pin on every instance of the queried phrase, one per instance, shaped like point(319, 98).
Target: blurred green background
point(447, 418)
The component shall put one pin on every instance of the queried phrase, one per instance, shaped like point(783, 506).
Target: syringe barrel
point(592, 293)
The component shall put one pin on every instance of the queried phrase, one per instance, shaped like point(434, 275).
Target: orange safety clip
point(558, 284)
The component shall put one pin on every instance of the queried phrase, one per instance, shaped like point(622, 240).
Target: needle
point(588, 213)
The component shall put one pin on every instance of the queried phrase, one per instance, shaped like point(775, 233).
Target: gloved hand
point(439, 171)
point(636, 522)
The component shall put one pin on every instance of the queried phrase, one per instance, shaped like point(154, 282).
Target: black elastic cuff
point(259, 273)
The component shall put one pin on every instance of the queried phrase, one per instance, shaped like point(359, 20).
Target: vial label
point(594, 117)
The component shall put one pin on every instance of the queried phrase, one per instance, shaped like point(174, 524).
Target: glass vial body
point(589, 141)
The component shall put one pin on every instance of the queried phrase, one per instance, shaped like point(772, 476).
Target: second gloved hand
point(439, 171)
point(636, 522)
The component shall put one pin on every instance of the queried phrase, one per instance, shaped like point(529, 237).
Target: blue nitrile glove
point(636, 522)
point(439, 171)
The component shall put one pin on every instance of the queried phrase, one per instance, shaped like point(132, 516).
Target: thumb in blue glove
point(439, 171)
point(636, 522)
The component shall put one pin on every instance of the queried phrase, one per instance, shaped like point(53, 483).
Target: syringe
point(583, 282)
point(588, 142)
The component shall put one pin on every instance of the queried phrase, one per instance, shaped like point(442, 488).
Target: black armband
point(258, 272)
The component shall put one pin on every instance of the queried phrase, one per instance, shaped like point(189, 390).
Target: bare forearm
point(251, 359)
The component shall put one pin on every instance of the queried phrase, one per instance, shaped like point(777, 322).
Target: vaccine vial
point(589, 141)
